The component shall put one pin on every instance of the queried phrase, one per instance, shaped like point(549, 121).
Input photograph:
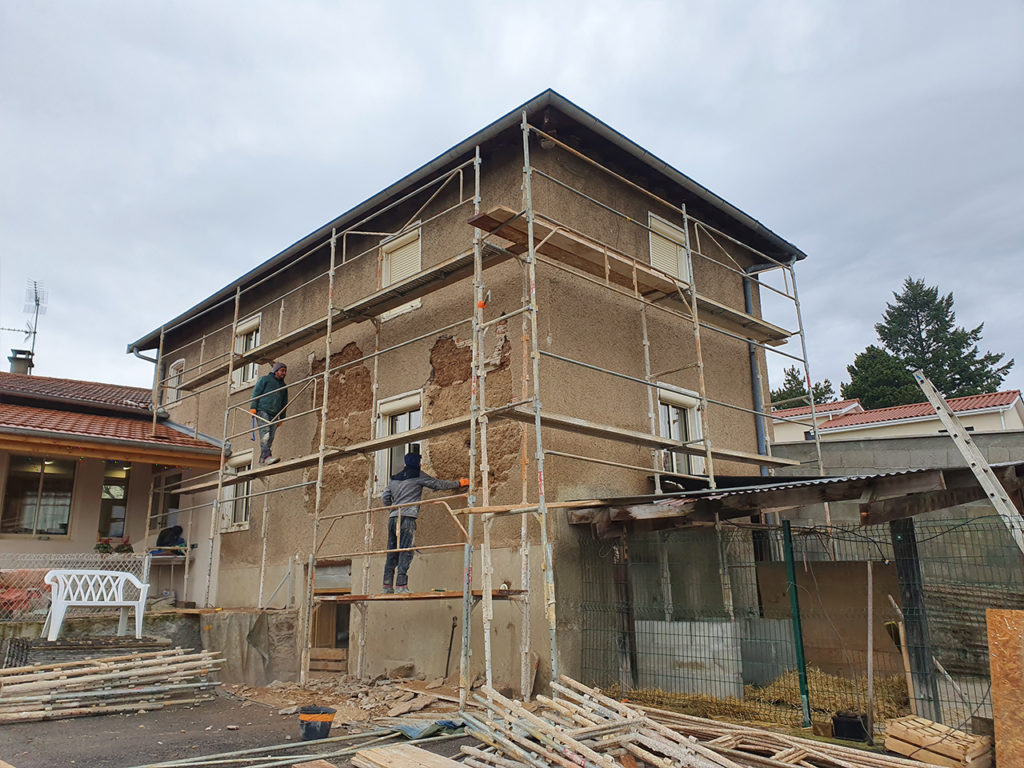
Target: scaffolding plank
point(430, 279)
point(646, 439)
point(453, 594)
point(334, 453)
point(595, 258)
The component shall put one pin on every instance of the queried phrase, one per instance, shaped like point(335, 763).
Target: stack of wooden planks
point(937, 744)
point(584, 727)
point(401, 756)
point(129, 683)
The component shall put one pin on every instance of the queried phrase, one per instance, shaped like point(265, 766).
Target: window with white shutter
point(679, 419)
point(668, 248)
point(400, 259)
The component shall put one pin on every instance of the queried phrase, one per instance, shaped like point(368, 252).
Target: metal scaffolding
point(535, 242)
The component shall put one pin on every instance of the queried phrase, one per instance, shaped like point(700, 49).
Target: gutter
point(545, 99)
point(170, 448)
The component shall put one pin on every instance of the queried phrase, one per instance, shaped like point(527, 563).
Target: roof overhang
point(37, 441)
point(548, 98)
point(881, 498)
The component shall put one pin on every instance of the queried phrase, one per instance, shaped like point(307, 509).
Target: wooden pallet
point(937, 744)
point(401, 756)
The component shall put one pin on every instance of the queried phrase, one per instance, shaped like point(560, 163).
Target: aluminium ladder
point(997, 496)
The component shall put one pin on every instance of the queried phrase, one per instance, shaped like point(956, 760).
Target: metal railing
point(24, 596)
point(701, 620)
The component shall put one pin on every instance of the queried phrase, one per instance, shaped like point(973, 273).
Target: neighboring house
point(77, 460)
point(792, 424)
point(630, 332)
point(846, 420)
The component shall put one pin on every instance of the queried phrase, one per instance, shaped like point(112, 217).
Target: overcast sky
point(151, 152)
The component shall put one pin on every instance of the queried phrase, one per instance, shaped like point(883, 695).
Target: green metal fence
point(702, 619)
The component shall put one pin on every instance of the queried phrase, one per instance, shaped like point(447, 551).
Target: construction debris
point(583, 727)
point(136, 682)
point(357, 700)
point(937, 744)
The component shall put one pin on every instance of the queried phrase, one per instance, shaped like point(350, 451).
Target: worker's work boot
point(271, 460)
point(402, 590)
point(388, 590)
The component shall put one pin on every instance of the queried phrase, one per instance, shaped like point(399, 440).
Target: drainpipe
point(135, 351)
point(755, 380)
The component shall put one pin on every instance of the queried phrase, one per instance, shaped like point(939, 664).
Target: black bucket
point(315, 722)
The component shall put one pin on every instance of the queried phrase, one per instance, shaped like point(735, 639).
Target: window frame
point(35, 532)
point(237, 495)
point(663, 228)
point(246, 375)
point(109, 516)
point(388, 247)
point(172, 381)
point(687, 403)
point(387, 410)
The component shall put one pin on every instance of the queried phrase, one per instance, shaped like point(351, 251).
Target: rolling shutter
point(402, 258)
point(667, 252)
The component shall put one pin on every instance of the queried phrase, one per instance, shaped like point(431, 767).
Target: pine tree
point(880, 380)
point(793, 392)
point(920, 329)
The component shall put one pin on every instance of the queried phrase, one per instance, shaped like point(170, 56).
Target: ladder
point(975, 460)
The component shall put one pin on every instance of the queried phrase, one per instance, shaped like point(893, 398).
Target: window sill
point(402, 310)
point(235, 527)
point(243, 386)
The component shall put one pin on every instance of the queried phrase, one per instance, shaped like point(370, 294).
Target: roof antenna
point(35, 305)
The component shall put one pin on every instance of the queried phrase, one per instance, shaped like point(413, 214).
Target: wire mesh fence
point(703, 620)
point(25, 596)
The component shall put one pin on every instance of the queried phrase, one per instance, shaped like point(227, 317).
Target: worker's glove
point(252, 411)
point(463, 482)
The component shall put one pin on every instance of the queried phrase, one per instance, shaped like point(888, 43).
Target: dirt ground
point(224, 724)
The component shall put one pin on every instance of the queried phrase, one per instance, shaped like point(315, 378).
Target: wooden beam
point(646, 439)
point(885, 511)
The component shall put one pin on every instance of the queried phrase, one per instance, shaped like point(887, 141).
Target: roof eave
point(546, 98)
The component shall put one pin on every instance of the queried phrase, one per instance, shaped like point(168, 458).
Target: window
point(166, 501)
point(668, 248)
point(37, 496)
point(394, 417)
point(174, 373)
point(679, 419)
point(400, 259)
point(237, 497)
point(247, 337)
point(114, 500)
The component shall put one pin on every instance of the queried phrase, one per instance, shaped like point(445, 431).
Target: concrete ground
point(126, 741)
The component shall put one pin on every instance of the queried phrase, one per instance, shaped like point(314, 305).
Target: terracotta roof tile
point(918, 410)
point(805, 410)
point(114, 428)
point(90, 392)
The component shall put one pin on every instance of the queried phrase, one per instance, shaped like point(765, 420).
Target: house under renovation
point(547, 309)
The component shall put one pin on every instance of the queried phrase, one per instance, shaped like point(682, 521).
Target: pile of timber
point(582, 727)
point(937, 744)
point(129, 683)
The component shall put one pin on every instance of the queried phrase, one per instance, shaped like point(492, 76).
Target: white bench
point(93, 589)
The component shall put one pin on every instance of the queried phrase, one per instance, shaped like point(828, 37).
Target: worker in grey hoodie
point(407, 486)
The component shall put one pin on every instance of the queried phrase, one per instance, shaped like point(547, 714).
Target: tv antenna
point(35, 304)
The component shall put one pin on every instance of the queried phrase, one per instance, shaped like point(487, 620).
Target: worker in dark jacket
point(407, 486)
point(269, 403)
